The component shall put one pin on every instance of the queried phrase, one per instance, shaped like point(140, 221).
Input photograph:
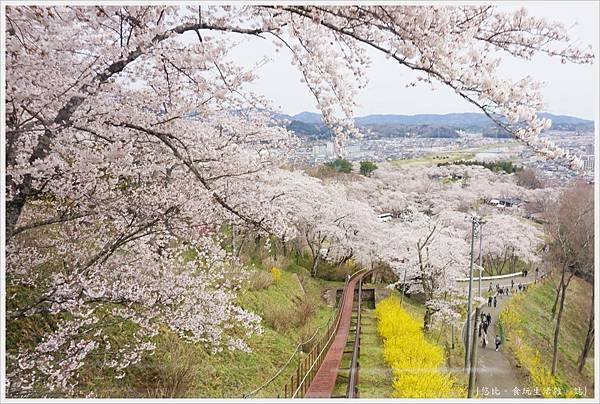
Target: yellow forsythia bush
point(415, 361)
point(276, 273)
point(530, 360)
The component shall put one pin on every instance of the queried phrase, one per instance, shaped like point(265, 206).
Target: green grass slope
point(538, 330)
point(292, 308)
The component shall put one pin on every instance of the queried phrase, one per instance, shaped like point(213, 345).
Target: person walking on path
point(489, 319)
point(485, 327)
point(490, 301)
point(484, 340)
point(490, 289)
point(498, 342)
point(496, 369)
point(495, 302)
point(512, 284)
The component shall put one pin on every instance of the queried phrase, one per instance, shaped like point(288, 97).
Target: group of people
point(522, 287)
point(504, 291)
point(500, 291)
point(486, 321)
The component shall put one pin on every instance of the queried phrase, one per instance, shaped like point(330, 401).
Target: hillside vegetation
point(529, 331)
point(416, 362)
point(292, 308)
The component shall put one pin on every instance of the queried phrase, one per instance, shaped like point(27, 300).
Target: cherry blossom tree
point(429, 256)
point(456, 46)
point(428, 237)
point(509, 238)
point(333, 225)
point(128, 149)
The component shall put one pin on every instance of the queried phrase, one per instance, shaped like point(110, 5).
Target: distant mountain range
point(311, 125)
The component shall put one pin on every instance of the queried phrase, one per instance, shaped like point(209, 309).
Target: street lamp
point(481, 223)
point(475, 221)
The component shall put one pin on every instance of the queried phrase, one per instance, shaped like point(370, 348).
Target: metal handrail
point(352, 391)
point(311, 363)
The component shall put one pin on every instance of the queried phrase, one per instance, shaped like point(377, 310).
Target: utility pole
point(473, 363)
point(403, 287)
point(474, 222)
point(480, 257)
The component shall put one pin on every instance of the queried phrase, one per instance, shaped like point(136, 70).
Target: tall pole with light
point(481, 223)
point(474, 223)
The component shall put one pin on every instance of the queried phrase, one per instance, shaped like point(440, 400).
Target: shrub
point(276, 274)
point(506, 166)
point(170, 373)
point(333, 272)
point(270, 261)
point(529, 178)
point(284, 318)
point(340, 165)
point(305, 309)
point(415, 362)
point(307, 338)
point(261, 280)
point(367, 167)
point(280, 318)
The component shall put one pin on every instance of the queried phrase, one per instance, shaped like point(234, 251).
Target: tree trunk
point(589, 338)
point(315, 264)
point(555, 305)
point(274, 247)
point(241, 246)
point(427, 319)
point(13, 212)
point(257, 245)
point(557, 327)
point(558, 293)
point(233, 240)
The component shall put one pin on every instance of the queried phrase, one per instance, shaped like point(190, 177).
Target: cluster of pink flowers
point(128, 149)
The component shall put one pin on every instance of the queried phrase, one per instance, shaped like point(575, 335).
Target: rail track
point(316, 374)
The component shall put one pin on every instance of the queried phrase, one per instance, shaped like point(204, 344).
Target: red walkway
point(324, 381)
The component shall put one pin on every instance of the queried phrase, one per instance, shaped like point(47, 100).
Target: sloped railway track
point(316, 374)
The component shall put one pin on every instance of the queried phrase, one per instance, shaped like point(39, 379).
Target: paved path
point(485, 285)
point(324, 381)
point(496, 376)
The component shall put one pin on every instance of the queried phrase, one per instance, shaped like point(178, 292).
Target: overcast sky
point(569, 89)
